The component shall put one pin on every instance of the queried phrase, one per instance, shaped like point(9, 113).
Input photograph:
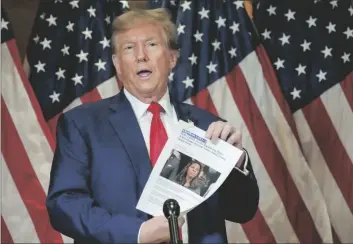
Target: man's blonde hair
point(135, 17)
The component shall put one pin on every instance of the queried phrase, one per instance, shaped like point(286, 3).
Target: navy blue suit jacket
point(101, 165)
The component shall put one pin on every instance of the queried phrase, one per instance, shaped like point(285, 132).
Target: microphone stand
point(171, 210)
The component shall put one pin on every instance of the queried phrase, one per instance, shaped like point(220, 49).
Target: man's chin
point(149, 95)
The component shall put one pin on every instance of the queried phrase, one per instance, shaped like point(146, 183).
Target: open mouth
point(144, 73)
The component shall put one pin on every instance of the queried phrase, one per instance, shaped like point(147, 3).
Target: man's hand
point(156, 230)
point(226, 132)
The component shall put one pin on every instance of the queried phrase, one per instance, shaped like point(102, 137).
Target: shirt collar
point(140, 108)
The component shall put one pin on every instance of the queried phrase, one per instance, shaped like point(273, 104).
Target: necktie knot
point(154, 108)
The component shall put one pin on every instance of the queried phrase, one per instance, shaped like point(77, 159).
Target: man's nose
point(141, 55)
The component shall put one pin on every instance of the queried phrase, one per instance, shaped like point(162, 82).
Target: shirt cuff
point(138, 235)
point(242, 166)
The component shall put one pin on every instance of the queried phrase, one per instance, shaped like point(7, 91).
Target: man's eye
point(128, 47)
point(152, 44)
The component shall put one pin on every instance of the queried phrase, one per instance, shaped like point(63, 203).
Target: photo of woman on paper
point(189, 172)
point(189, 175)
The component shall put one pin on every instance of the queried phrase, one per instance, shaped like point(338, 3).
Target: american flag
point(310, 44)
point(294, 108)
point(69, 55)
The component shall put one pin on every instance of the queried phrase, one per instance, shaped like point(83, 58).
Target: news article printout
point(189, 169)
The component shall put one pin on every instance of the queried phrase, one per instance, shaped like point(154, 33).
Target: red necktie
point(158, 134)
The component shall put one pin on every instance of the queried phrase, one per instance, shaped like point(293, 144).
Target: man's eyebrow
point(150, 39)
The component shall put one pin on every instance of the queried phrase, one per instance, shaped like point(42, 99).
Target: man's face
point(143, 61)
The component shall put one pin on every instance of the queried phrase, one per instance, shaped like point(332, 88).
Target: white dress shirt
point(144, 117)
point(170, 120)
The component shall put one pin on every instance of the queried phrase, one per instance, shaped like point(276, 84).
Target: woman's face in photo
point(193, 170)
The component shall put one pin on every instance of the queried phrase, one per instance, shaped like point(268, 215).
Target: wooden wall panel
point(21, 14)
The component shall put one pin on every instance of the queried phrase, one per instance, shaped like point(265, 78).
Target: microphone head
point(170, 207)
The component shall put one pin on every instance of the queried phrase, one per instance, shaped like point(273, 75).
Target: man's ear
point(116, 63)
point(174, 55)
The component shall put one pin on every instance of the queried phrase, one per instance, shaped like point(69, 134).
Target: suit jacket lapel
point(182, 110)
point(126, 126)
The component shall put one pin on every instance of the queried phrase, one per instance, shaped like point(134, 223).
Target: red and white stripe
point(302, 196)
point(327, 144)
point(27, 151)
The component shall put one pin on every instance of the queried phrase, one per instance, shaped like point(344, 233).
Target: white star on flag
point(70, 26)
point(216, 45)
point(188, 82)
point(350, 11)
point(266, 34)
point(46, 43)
point(204, 13)
point(54, 97)
point(105, 43)
point(60, 73)
point(82, 56)
point(290, 15)
point(271, 10)
point(4, 24)
point(221, 22)
point(107, 19)
point(311, 21)
point(91, 11)
point(51, 20)
point(239, 4)
point(327, 51)
point(284, 39)
point(186, 5)
point(40, 66)
point(100, 65)
point(198, 36)
point(234, 27)
point(65, 50)
point(279, 63)
point(74, 4)
point(321, 75)
point(77, 79)
point(334, 4)
point(305, 45)
point(295, 93)
point(87, 33)
point(301, 69)
point(232, 52)
point(331, 27)
point(181, 29)
point(36, 39)
point(345, 57)
point(348, 33)
point(211, 67)
point(193, 59)
point(125, 4)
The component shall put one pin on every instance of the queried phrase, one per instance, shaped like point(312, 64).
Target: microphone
point(171, 210)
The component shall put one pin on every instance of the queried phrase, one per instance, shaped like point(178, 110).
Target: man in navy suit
point(102, 159)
